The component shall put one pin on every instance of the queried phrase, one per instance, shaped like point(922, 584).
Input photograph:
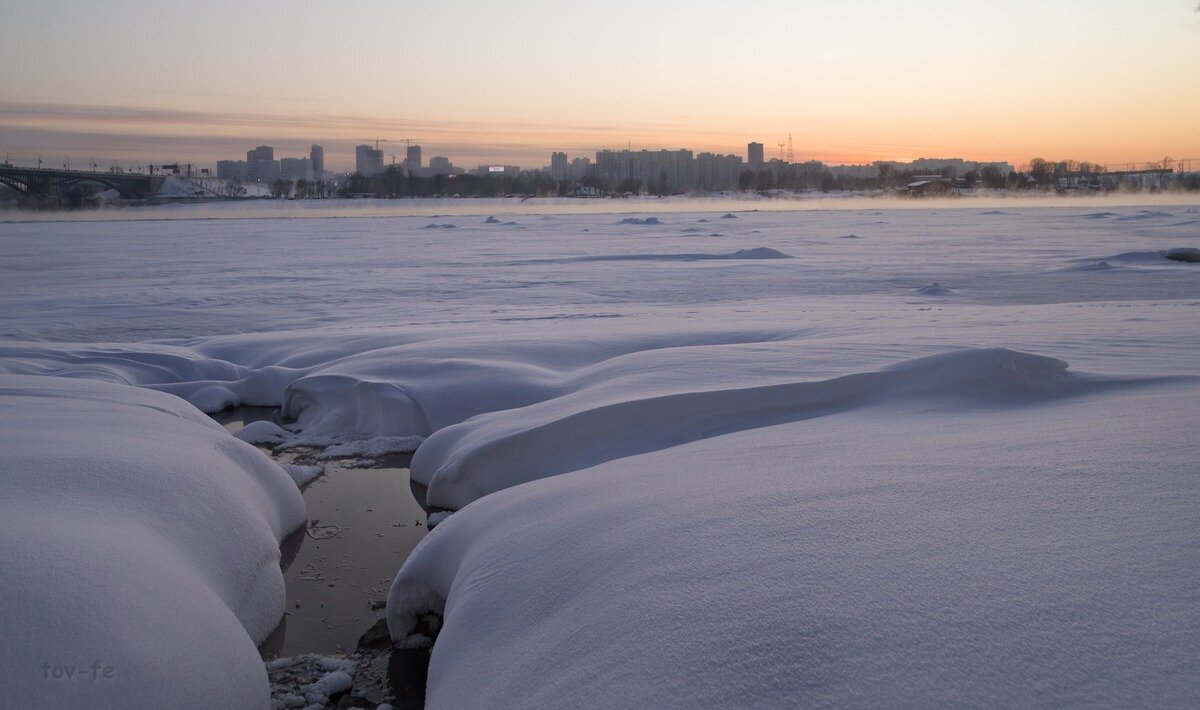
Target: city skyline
point(1104, 81)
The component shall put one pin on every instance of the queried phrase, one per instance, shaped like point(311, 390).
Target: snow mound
point(1156, 258)
point(437, 517)
point(1145, 214)
point(849, 236)
point(639, 220)
point(1102, 265)
point(303, 475)
point(692, 230)
point(141, 536)
point(176, 186)
point(753, 253)
point(263, 433)
point(417, 388)
point(1098, 215)
point(612, 414)
point(729, 215)
point(758, 253)
point(991, 213)
point(431, 225)
point(934, 289)
point(209, 383)
point(899, 555)
point(491, 220)
point(1190, 255)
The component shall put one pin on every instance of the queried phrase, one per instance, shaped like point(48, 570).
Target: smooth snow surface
point(139, 535)
point(912, 554)
point(948, 462)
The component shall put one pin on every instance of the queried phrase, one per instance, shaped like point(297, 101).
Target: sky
point(1111, 81)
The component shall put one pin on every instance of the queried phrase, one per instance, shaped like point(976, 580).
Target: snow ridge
point(590, 425)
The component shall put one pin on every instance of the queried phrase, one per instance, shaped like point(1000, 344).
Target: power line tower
point(780, 149)
point(791, 158)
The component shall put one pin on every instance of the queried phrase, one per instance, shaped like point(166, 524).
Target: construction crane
point(781, 149)
point(393, 159)
point(377, 141)
point(791, 155)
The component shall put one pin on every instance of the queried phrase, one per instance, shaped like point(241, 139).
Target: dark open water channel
point(362, 525)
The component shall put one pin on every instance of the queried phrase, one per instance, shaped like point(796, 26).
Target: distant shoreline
point(268, 208)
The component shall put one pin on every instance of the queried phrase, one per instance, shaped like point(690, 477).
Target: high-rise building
point(558, 166)
point(262, 152)
point(670, 170)
point(266, 170)
point(233, 170)
point(754, 155)
point(717, 172)
point(439, 165)
point(413, 157)
point(294, 169)
point(368, 160)
point(316, 158)
point(579, 168)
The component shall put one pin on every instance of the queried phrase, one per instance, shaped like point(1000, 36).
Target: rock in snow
point(140, 550)
point(1188, 254)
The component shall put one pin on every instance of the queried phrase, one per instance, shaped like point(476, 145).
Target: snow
point(139, 535)
point(309, 680)
point(616, 413)
point(178, 186)
point(106, 196)
point(911, 554)
point(262, 432)
point(301, 474)
point(934, 289)
point(373, 448)
point(679, 476)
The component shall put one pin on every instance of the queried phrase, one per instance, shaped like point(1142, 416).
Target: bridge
point(47, 183)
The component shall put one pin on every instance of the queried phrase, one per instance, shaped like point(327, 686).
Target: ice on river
point(771, 467)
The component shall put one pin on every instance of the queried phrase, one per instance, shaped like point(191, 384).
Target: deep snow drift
point(139, 535)
point(920, 553)
point(614, 413)
point(774, 467)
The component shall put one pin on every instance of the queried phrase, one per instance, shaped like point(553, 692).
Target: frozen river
point(693, 453)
